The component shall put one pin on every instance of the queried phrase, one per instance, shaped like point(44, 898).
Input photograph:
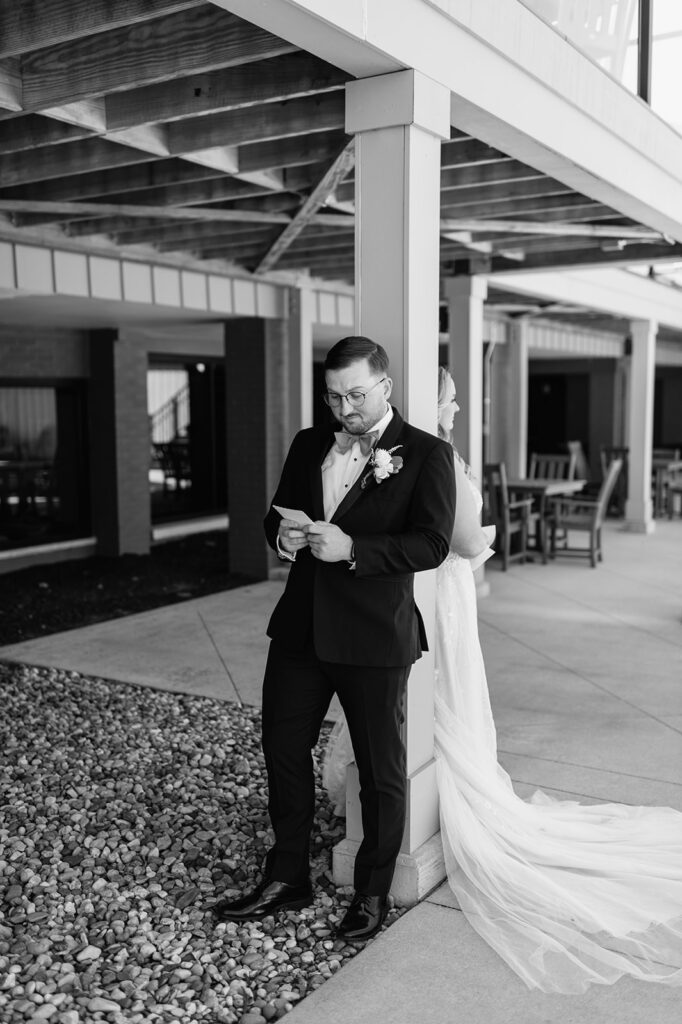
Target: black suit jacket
point(367, 615)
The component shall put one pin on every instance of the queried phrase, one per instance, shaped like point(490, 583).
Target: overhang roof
point(178, 126)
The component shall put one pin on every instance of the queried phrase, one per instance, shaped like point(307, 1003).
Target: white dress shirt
point(340, 470)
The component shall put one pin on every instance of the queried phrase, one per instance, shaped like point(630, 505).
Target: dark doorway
point(558, 410)
point(188, 471)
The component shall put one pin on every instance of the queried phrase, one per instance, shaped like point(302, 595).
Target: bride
point(568, 894)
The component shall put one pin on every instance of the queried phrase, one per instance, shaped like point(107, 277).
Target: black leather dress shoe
point(364, 917)
point(266, 898)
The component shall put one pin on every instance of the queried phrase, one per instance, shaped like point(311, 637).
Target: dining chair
point(616, 504)
point(582, 515)
point(673, 492)
point(553, 467)
point(512, 518)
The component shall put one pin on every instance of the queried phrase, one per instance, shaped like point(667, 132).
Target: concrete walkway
point(585, 671)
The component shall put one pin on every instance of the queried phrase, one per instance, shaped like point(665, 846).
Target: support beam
point(317, 198)
point(640, 426)
point(194, 213)
point(399, 121)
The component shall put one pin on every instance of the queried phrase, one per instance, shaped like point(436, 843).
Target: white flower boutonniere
point(383, 464)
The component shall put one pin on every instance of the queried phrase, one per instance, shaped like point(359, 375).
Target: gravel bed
point(125, 812)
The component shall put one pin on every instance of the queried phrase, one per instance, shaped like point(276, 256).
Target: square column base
point(639, 525)
point(416, 874)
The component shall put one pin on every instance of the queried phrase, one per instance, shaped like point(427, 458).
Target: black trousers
point(297, 690)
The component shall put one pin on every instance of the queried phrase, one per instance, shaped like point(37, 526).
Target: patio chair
point(673, 492)
point(584, 515)
point(616, 504)
point(511, 518)
point(553, 467)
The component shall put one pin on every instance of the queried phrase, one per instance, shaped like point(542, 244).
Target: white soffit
point(516, 84)
point(612, 291)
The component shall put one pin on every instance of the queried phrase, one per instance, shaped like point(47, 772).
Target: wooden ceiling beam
point(468, 151)
point(524, 206)
point(90, 184)
point(189, 42)
point(11, 89)
point(252, 243)
point(485, 228)
point(54, 162)
point(303, 149)
point(259, 123)
point(34, 24)
point(32, 130)
point(290, 76)
point(591, 256)
point(323, 190)
point(164, 213)
point(159, 234)
point(494, 173)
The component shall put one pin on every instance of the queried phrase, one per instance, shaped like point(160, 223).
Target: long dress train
point(568, 894)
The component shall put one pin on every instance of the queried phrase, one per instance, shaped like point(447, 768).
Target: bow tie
point(345, 441)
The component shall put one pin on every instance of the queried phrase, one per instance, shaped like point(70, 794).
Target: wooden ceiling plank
point(166, 212)
point(290, 76)
point(468, 151)
point(33, 24)
point(291, 152)
point(52, 162)
point(90, 184)
point(504, 171)
point(190, 42)
point(31, 131)
point(260, 123)
point(592, 256)
point(156, 233)
point(525, 206)
point(550, 228)
point(11, 88)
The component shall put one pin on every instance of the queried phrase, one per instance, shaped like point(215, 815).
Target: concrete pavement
point(585, 672)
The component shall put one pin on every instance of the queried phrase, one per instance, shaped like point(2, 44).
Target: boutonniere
point(383, 464)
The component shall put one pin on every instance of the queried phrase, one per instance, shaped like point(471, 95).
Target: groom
point(381, 497)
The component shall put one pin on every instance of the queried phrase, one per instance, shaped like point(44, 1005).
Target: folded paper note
point(295, 514)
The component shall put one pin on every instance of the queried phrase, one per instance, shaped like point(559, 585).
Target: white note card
point(296, 514)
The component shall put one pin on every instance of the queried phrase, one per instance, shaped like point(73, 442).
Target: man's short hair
point(349, 350)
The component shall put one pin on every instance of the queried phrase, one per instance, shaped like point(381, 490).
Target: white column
point(399, 121)
point(518, 399)
point(466, 296)
point(302, 308)
point(640, 426)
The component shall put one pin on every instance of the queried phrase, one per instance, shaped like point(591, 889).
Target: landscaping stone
point(128, 813)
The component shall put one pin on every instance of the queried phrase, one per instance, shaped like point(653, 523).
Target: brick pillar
point(119, 445)
point(256, 384)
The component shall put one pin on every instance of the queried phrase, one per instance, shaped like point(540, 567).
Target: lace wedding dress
point(567, 894)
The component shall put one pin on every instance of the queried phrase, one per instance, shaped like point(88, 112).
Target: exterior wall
point(43, 353)
point(257, 361)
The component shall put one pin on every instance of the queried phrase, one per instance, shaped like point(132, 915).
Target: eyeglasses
point(354, 398)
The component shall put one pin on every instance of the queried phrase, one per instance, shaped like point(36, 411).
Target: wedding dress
point(567, 894)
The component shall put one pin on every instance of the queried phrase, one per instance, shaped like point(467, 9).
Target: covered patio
point(584, 674)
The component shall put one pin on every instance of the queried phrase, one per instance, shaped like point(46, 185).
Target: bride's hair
point(444, 377)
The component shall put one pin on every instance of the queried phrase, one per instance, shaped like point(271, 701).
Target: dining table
point(542, 488)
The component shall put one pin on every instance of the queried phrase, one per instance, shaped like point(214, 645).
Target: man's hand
point(328, 542)
point(291, 536)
